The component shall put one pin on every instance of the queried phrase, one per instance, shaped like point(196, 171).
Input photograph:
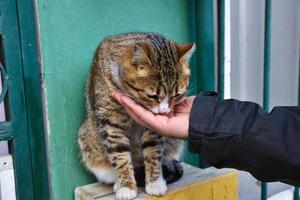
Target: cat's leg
point(172, 168)
point(152, 151)
point(93, 154)
point(117, 147)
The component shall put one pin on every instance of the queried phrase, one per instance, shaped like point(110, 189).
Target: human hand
point(175, 124)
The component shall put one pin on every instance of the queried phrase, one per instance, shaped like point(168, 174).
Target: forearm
point(242, 135)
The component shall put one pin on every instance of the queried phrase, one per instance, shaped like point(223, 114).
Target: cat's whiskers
point(189, 91)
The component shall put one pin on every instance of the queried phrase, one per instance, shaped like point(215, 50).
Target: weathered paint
point(70, 31)
point(222, 187)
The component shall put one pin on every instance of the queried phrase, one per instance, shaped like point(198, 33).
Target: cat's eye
point(177, 95)
point(154, 96)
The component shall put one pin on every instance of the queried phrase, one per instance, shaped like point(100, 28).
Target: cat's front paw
point(125, 193)
point(157, 188)
point(116, 186)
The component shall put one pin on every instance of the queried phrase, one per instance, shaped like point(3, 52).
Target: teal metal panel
point(296, 190)
point(221, 45)
point(267, 62)
point(205, 55)
point(264, 191)
point(267, 55)
point(296, 194)
point(190, 158)
point(193, 87)
point(21, 76)
point(5, 131)
point(16, 101)
point(4, 78)
point(33, 98)
point(299, 83)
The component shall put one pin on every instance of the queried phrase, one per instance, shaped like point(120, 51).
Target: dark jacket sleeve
point(241, 135)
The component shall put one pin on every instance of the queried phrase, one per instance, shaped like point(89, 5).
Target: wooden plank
point(209, 183)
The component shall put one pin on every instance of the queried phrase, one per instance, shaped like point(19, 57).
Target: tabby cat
point(153, 71)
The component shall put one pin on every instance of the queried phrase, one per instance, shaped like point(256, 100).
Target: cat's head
point(156, 74)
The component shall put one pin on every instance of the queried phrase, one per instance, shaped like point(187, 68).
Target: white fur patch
point(116, 186)
point(163, 107)
point(154, 110)
point(125, 193)
point(107, 176)
point(157, 188)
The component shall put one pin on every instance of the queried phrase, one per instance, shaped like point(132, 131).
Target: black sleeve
point(241, 135)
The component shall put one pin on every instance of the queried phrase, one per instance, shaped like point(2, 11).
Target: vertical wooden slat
point(267, 60)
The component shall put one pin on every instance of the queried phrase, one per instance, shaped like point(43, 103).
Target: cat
point(152, 70)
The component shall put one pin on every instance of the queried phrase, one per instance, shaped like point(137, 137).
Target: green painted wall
point(70, 31)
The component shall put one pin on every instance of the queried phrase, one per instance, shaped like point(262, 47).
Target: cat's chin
point(156, 111)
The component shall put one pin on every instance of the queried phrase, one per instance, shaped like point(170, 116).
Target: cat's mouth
point(162, 108)
point(158, 110)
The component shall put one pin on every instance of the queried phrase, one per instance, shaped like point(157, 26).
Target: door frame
point(25, 127)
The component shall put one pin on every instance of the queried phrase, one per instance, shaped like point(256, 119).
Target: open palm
point(175, 124)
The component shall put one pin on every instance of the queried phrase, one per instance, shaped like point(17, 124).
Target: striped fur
point(151, 69)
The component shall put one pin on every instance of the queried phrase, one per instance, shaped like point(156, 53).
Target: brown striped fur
point(147, 67)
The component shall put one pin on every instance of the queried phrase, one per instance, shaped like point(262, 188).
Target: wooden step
point(196, 183)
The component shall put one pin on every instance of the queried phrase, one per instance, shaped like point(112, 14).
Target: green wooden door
point(23, 128)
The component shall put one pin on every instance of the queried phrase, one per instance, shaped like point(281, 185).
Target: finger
point(141, 113)
point(117, 95)
point(170, 114)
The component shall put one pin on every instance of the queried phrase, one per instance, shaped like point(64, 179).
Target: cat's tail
point(172, 172)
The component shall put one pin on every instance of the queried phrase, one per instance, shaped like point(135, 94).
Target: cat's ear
point(140, 55)
point(185, 51)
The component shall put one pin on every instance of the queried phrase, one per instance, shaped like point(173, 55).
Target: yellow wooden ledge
point(196, 184)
